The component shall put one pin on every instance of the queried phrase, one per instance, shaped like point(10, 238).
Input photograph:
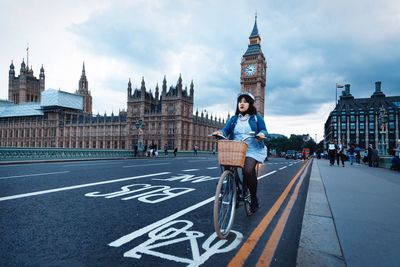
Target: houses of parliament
point(39, 118)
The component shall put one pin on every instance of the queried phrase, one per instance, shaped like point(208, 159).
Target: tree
point(295, 142)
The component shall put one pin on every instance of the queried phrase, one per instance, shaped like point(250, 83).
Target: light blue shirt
point(256, 149)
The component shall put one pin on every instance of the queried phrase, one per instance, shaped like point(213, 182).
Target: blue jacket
point(258, 126)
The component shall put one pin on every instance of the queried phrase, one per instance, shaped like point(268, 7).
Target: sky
point(310, 46)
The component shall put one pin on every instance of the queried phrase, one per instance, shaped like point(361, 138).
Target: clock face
point(250, 69)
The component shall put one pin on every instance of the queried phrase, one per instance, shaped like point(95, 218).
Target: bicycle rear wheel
point(224, 204)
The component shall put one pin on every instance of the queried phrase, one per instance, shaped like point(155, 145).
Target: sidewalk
point(351, 218)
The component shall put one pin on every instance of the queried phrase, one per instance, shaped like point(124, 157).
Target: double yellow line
point(270, 247)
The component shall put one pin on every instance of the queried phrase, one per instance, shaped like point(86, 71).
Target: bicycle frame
point(239, 180)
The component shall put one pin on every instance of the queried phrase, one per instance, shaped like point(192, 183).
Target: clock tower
point(253, 70)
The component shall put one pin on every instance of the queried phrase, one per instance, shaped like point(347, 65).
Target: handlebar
point(220, 136)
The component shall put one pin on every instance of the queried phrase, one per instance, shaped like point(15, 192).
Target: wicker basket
point(232, 153)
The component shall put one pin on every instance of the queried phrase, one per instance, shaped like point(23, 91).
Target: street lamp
point(139, 125)
point(383, 119)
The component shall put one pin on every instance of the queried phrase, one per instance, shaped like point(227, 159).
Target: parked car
point(291, 154)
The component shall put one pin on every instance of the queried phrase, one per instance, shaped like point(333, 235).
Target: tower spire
point(83, 69)
point(254, 32)
point(27, 55)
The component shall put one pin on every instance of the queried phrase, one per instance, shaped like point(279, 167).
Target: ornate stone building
point(25, 87)
point(53, 118)
point(254, 69)
point(168, 117)
point(359, 120)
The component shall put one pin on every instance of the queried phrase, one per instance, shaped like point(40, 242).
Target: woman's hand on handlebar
point(217, 133)
point(260, 136)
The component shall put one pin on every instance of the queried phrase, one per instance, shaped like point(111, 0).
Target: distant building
point(25, 87)
point(358, 120)
point(53, 118)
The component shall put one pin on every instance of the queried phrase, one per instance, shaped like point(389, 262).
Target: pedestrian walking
point(369, 155)
point(331, 152)
point(351, 152)
point(396, 158)
point(340, 156)
point(175, 151)
point(357, 152)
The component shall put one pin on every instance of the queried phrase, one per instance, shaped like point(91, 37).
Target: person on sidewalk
point(166, 150)
point(396, 158)
point(340, 154)
point(331, 152)
point(357, 154)
point(373, 156)
point(350, 152)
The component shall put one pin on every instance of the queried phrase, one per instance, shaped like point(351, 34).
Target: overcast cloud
point(309, 46)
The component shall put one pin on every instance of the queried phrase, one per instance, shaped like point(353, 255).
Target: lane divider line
point(30, 175)
point(246, 249)
point(79, 186)
point(145, 165)
point(262, 176)
point(272, 244)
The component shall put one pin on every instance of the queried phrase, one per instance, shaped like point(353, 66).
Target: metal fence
point(12, 154)
point(23, 154)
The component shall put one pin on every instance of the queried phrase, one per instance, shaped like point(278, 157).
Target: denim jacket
point(258, 126)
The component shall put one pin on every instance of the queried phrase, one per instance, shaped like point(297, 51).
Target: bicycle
point(231, 187)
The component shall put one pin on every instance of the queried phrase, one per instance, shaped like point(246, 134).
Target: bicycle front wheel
point(224, 204)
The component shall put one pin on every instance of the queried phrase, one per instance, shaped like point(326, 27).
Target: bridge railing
point(33, 154)
point(23, 154)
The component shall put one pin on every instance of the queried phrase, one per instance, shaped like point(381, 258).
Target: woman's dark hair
point(251, 110)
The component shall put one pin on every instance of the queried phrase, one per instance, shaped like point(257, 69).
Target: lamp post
point(139, 127)
point(383, 119)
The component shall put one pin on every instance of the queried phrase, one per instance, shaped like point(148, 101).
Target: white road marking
point(144, 165)
point(212, 168)
point(129, 237)
point(262, 176)
point(29, 175)
point(190, 170)
point(90, 164)
point(78, 186)
point(284, 167)
point(201, 159)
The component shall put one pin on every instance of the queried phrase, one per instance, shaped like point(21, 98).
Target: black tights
point(249, 172)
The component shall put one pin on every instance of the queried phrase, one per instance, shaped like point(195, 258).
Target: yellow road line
point(254, 237)
point(270, 248)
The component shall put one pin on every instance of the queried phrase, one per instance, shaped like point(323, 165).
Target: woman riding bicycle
point(246, 120)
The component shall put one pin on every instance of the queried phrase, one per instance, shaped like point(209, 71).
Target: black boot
point(254, 205)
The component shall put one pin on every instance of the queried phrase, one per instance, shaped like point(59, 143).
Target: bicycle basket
point(232, 153)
